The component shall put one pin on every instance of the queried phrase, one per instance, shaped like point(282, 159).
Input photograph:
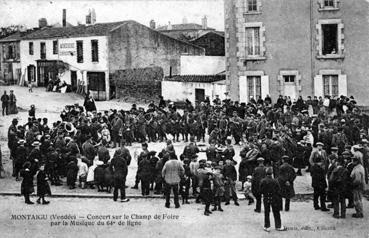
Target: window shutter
point(262, 41)
point(319, 39)
point(243, 89)
point(264, 86)
point(341, 38)
point(259, 5)
point(342, 85)
point(318, 86)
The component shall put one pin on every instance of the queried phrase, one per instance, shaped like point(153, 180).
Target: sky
point(27, 12)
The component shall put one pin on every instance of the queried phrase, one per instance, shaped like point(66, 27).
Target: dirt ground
point(187, 221)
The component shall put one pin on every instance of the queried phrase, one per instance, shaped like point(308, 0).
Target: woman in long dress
point(12, 103)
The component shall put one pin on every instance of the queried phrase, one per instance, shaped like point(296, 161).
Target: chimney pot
point(64, 17)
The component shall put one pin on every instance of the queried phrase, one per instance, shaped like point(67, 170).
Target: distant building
point(185, 31)
point(90, 54)
point(297, 48)
point(212, 42)
point(10, 68)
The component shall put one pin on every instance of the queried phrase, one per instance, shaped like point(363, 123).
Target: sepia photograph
point(184, 118)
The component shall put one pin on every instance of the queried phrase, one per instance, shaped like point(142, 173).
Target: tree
point(8, 30)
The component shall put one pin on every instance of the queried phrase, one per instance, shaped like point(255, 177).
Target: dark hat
point(152, 153)
point(202, 161)
point(269, 171)
point(334, 148)
point(348, 153)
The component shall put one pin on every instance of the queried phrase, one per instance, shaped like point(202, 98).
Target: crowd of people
point(326, 137)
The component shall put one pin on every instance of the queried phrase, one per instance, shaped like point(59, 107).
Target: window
point(330, 39)
point(95, 50)
point(79, 51)
point(252, 5)
point(42, 50)
point(329, 3)
point(254, 86)
point(55, 47)
point(30, 48)
point(289, 78)
point(253, 41)
point(330, 44)
point(10, 52)
point(330, 85)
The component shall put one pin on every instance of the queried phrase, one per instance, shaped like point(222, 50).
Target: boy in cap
point(218, 188)
point(272, 198)
point(247, 191)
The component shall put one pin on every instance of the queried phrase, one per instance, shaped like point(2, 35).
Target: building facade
point(10, 70)
point(297, 48)
point(212, 42)
point(87, 55)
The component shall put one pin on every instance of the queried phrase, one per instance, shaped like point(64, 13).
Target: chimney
point(93, 16)
point(169, 27)
point(42, 22)
point(204, 21)
point(64, 18)
point(152, 24)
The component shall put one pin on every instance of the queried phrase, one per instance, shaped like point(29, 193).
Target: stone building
point(90, 54)
point(10, 70)
point(212, 42)
point(297, 48)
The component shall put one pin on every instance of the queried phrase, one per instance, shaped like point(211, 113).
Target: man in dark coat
point(230, 174)
point(144, 172)
point(5, 103)
point(319, 184)
point(27, 182)
point(338, 185)
point(258, 175)
point(120, 170)
point(139, 158)
point(272, 198)
point(20, 157)
point(286, 178)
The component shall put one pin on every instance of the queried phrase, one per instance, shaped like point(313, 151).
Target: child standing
point(43, 187)
point(218, 188)
point(185, 181)
point(248, 194)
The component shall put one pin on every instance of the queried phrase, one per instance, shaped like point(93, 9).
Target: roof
point(196, 78)
point(204, 33)
point(13, 37)
point(99, 29)
point(180, 27)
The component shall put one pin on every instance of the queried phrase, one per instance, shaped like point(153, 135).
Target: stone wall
point(142, 84)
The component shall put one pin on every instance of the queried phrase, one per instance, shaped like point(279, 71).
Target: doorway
point(199, 95)
point(290, 86)
point(73, 80)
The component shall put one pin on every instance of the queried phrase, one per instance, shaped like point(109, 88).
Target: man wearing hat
point(20, 157)
point(319, 155)
point(5, 103)
point(358, 184)
point(286, 178)
point(172, 173)
point(35, 156)
point(338, 186)
point(120, 170)
point(271, 192)
point(139, 158)
point(12, 137)
point(258, 175)
point(365, 151)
